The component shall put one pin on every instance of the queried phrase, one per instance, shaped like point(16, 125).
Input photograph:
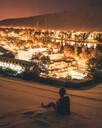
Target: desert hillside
point(80, 19)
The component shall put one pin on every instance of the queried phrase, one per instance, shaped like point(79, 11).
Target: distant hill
point(82, 19)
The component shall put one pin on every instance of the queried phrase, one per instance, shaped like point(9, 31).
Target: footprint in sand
point(78, 115)
point(28, 114)
point(4, 124)
point(40, 115)
point(33, 114)
point(41, 123)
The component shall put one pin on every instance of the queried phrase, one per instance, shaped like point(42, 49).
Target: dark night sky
point(24, 8)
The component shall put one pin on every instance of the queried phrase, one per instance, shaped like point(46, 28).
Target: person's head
point(62, 92)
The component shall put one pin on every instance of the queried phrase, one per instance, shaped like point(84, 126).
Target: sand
point(20, 106)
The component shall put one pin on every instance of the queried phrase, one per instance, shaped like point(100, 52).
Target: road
point(17, 96)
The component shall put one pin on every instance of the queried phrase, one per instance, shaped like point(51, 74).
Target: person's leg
point(49, 105)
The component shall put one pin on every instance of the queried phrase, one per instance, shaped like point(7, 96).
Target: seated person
point(62, 106)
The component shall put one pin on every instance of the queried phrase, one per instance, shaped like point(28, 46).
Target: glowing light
point(28, 54)
point(68, 52)
point(77, 75)
point(72, 43)
point(89, 45)
point(19, 69)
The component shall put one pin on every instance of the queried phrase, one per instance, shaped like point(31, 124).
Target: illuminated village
point(50, 64)
point(63, 55)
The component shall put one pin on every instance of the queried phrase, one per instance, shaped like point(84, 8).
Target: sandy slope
point(20, 106)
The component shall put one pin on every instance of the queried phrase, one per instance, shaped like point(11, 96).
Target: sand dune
point(20, 106)
point(77, 19)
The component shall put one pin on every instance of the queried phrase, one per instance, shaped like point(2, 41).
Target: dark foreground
point(20, 106)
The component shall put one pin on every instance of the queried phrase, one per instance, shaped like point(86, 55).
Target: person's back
point(63, 105)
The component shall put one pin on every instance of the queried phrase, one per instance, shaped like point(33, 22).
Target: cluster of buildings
point(58, 54)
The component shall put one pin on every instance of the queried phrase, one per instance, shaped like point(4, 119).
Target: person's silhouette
point(62, 105)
